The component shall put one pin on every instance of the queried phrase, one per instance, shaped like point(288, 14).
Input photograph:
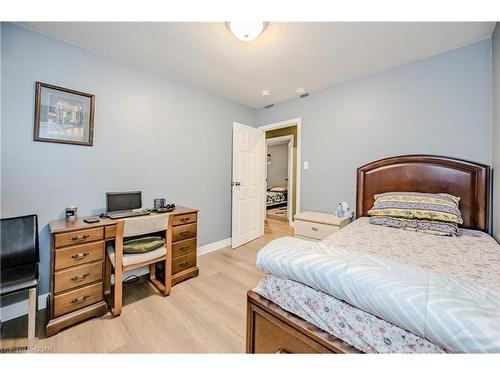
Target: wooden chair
point(119, 262)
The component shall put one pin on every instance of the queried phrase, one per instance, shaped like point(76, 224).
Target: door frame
point(284, 124)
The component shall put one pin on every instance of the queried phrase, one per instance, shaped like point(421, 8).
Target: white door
point(248, 184)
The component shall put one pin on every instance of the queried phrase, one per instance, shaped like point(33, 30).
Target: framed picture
point(269, 158)
point(63, 115)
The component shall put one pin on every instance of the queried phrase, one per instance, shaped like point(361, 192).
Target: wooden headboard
point(429, 174)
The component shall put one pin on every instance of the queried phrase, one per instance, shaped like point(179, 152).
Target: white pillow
point(278, 189)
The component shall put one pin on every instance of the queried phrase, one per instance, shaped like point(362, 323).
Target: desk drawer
point(76, 299)
point(184, 219)
point(183, 247)
point(76, 255)
point(183, 232)
point(110, 232)
point(183, 262)
point(77, 276)
point(314, 230)
point(76, 237)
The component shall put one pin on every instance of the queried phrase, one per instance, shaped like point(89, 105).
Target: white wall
point(496, 132)
point(277, 171)
point(439, 105)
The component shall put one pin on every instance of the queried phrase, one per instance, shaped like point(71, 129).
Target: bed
point(285, 315)
point(276, 197)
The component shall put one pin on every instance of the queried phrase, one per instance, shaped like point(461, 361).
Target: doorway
point(279, 172)
point(282, 197)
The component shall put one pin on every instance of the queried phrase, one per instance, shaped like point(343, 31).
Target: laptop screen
point(121, 201)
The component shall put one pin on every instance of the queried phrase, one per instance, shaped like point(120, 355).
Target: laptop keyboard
point(122, 214)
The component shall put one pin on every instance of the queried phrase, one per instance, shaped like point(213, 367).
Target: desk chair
point(19, 257)
point(119, 262)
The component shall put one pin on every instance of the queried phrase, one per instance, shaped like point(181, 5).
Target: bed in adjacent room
point(277, 197)
point(377, 289)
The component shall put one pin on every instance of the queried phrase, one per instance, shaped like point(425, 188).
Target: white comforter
point(453, 313)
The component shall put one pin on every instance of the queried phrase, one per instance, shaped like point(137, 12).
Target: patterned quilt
point(445, 290)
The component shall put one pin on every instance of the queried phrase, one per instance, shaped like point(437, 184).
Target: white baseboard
point(208, 248)
point(15, 310)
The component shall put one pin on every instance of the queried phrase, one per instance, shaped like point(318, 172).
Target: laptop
point(125, 204)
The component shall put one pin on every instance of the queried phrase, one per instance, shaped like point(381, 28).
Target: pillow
point(425, 226)
point(142, 245)
point(421, 206)
point(278, 189)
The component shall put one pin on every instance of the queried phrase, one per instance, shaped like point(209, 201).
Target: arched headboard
point(429, 174)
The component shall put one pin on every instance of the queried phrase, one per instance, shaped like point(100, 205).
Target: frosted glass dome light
point(246, 31)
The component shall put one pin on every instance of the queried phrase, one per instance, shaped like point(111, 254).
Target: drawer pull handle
point(82, 299)
point(282, 351)
point(184, 248)
point(314, 229)
point(184, 219)
point(183, 263)
point(80, 277)
point(80, 255)
point(185, 233)
point(83, 237)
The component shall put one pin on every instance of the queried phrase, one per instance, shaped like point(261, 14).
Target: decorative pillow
point(440, 228)
point(422, 206)
point(142, 245)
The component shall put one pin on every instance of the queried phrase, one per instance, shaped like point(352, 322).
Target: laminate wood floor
point(206, 314)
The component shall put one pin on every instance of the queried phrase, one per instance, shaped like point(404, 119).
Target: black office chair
point(19, 259)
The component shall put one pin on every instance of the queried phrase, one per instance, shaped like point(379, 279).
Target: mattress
point(356, 327)
point(443, 289)
point(473, 256)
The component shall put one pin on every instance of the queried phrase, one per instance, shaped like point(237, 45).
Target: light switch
point(306, 165)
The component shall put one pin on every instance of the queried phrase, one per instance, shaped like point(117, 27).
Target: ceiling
point(288, 55)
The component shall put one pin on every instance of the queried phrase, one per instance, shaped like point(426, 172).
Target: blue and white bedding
point(445, 290)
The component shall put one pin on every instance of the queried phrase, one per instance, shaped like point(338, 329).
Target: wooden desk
point(77, 264)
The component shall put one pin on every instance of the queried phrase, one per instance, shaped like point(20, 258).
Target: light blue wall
point(151, 134)
point(277, 171)
point(496, 131)
point(439, 105)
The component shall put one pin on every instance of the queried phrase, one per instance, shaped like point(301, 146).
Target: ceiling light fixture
point(300, 90)
point(246, 31)
point(266, 92)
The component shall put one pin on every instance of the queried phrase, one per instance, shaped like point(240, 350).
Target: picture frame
point(269, 158)
point(63, 115)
